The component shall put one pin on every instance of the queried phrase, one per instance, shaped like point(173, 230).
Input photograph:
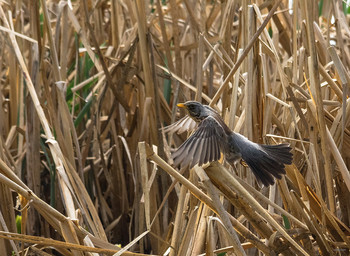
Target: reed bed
point(86, 86)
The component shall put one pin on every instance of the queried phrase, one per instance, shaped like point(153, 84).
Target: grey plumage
point(212, 136)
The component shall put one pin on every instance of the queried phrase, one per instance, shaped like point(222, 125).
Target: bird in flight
point(211, 136)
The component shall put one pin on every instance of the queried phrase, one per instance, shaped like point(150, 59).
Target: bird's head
point(195, 110)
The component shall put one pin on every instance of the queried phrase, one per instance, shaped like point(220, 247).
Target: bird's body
point(212, 137)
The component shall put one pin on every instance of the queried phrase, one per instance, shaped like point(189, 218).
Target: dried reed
point(87, 85)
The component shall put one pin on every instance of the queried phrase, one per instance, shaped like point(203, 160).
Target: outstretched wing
point(203, 146)
point(185, 124)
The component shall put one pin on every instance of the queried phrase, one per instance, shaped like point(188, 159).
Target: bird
point(211, 137)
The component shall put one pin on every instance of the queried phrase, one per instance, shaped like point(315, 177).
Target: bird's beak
point(181, 105)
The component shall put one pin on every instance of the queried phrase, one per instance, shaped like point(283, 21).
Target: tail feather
point(266, 161)
point(269, 161)
point(279, 152)
point(261, 174)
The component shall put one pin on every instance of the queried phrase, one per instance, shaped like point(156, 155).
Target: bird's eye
point(191, 108)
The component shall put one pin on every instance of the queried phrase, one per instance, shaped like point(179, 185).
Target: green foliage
point(286, 222)
point(270, 32)
point(19, 223)
point(320, 7)
point(83, 112)
point(346, 8)
point(83, 72)
point(167, 85)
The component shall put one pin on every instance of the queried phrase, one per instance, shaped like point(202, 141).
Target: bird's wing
point(185, 124)
point(203, 146)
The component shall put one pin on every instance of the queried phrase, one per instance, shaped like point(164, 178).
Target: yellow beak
point(181, 105)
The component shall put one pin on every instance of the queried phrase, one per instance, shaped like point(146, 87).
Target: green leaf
point(320, 7)
point(82, 113)
point(286, 222)
point(19, 223)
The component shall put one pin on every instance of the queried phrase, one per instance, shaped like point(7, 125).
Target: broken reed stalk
point(335, 151)
point(225, 176)
point(260, 196)
point(201, 196)
point(55, 149)
point(244, 53)
point(55, 218)
point(221, 210)
point(315, 84)
point(101, 144)
point(231, 181)
point(63, 245)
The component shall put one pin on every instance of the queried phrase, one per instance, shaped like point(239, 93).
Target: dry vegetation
point(86, 86)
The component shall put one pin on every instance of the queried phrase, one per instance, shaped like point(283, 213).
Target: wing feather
point(203, 146)
point(216, 152)
point(184, 124)
point(198, 152)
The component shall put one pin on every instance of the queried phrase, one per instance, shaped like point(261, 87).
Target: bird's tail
point(266, 161)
